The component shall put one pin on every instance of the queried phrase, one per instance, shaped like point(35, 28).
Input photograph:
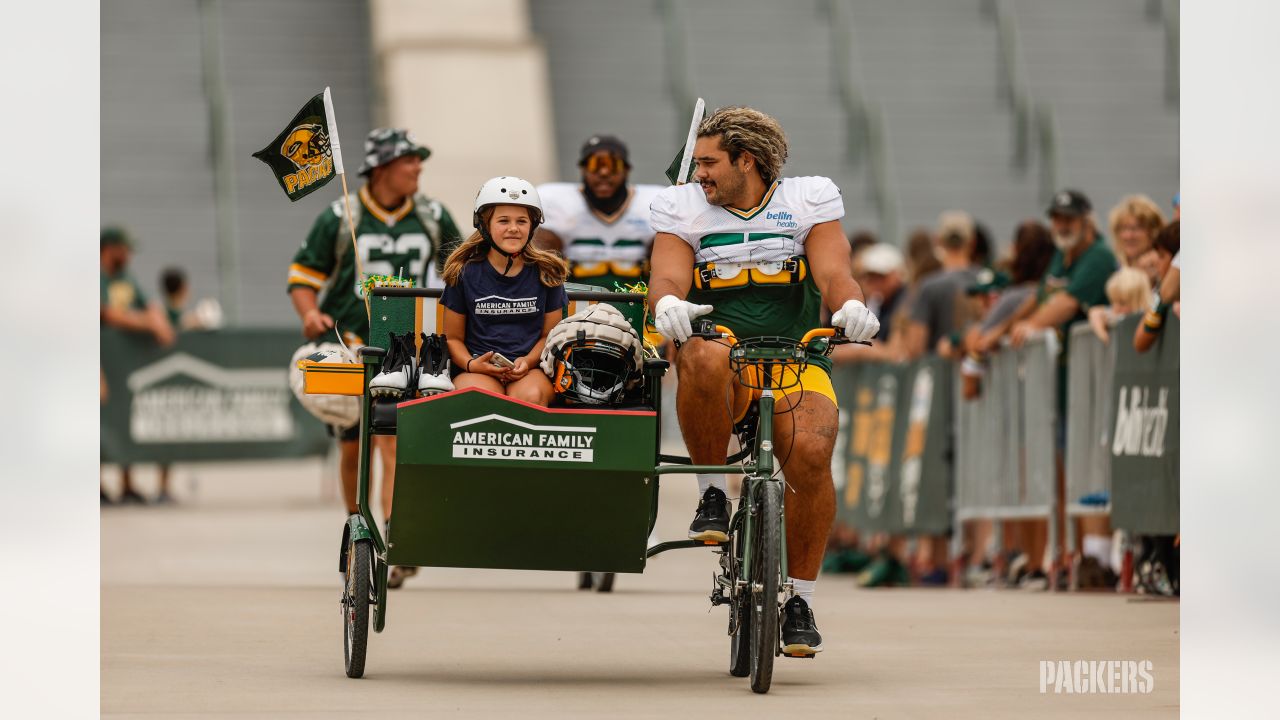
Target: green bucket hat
point(383, 145)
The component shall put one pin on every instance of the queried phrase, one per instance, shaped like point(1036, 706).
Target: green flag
point(680, 171)
point(301, 156)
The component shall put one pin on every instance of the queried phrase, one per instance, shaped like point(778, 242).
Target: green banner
point(491, 482)
point(897, 427)
point(1144, 441)
point(218, 395)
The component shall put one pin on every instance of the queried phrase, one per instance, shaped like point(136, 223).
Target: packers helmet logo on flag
point(302, 155)
point(306, 145)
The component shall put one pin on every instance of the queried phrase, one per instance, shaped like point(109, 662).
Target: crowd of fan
point(125, 306)
point(947, 293)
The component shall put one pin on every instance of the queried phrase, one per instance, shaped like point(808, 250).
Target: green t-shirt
point(1085, 279)
point(121, 292)
point(389, 243)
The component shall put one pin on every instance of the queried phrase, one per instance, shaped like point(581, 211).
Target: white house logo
point(498, 305)
point(504, 438)
point(185, 399)
point(1141, 422)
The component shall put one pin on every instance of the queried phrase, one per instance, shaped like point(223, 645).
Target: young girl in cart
point(503, 295)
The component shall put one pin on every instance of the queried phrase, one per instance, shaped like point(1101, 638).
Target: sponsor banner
point(218, 395)
point(893, 474)
point(1144, 438)
point(529, 443)
point(478, 430)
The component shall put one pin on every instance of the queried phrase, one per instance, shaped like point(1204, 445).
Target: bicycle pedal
point(805, 656)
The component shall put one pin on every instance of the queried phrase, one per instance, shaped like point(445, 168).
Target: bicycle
point(579, 486)
point(753, 573)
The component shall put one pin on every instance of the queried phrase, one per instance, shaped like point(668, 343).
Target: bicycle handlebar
point(709, 331)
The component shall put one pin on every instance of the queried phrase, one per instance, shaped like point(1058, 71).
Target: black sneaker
point(433, 366)
point(711, 522)
point(399, 367)
point(800, 636)
point(433, 358)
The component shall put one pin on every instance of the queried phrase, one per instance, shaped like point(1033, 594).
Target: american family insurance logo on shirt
point(1096, 677)
point(497, 437)
point(498, 305)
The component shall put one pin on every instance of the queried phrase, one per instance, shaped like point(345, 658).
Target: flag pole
point(687, 158)
point(336, 145)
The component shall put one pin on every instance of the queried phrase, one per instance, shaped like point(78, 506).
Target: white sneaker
point(398, 368)
point(432, 384)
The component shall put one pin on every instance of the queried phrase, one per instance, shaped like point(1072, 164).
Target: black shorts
point(350, 434)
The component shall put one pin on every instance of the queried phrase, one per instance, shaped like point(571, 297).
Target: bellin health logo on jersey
point(300, 156)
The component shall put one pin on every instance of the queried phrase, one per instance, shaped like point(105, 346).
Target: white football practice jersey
point(590, 237)
point(774, 230)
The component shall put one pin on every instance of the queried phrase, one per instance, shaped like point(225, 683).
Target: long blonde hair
point(552, 269)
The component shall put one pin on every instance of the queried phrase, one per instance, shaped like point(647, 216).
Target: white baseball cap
point(882, 259)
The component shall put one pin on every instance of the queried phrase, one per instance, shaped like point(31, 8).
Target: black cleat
point(711, 522)
point(800, 636)
point(433, 366)
point(399, 368)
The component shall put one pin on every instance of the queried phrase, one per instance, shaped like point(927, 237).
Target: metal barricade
point(1005, 442)
point(1090, 379)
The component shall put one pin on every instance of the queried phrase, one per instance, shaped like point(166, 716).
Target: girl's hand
point(519, 371)
point(480, 364)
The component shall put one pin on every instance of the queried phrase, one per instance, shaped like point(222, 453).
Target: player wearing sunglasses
point(601, 224)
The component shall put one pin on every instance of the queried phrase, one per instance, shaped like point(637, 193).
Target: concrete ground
point(226, 605)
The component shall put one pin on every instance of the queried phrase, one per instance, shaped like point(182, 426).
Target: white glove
point(673, 317)
point(858, 322)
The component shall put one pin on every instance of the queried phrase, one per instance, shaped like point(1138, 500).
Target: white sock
point(804, 588)
point(1099, 548)
point(716, 480)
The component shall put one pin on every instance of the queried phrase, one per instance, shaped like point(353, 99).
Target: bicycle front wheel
point(765, 583)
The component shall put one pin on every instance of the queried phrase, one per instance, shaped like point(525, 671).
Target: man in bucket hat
point(399, 231)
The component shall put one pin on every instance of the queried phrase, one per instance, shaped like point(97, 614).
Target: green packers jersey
point(750, 265)
point(602, 250)
point(388, 242)
point(122, 292)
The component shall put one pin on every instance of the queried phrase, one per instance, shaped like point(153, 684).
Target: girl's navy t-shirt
point(504, 314)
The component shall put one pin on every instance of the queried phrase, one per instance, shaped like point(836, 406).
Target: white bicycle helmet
point(507, 190)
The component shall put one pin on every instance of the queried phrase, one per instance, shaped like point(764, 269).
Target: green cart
point(457, 451)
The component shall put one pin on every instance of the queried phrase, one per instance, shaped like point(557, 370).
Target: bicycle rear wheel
point(766, 568)
point(739, 605)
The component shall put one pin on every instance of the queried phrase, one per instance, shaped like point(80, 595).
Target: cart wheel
point(585, 581)
point(766, 567)
point(355, 606)
point(603, 581)
point(739, 614)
